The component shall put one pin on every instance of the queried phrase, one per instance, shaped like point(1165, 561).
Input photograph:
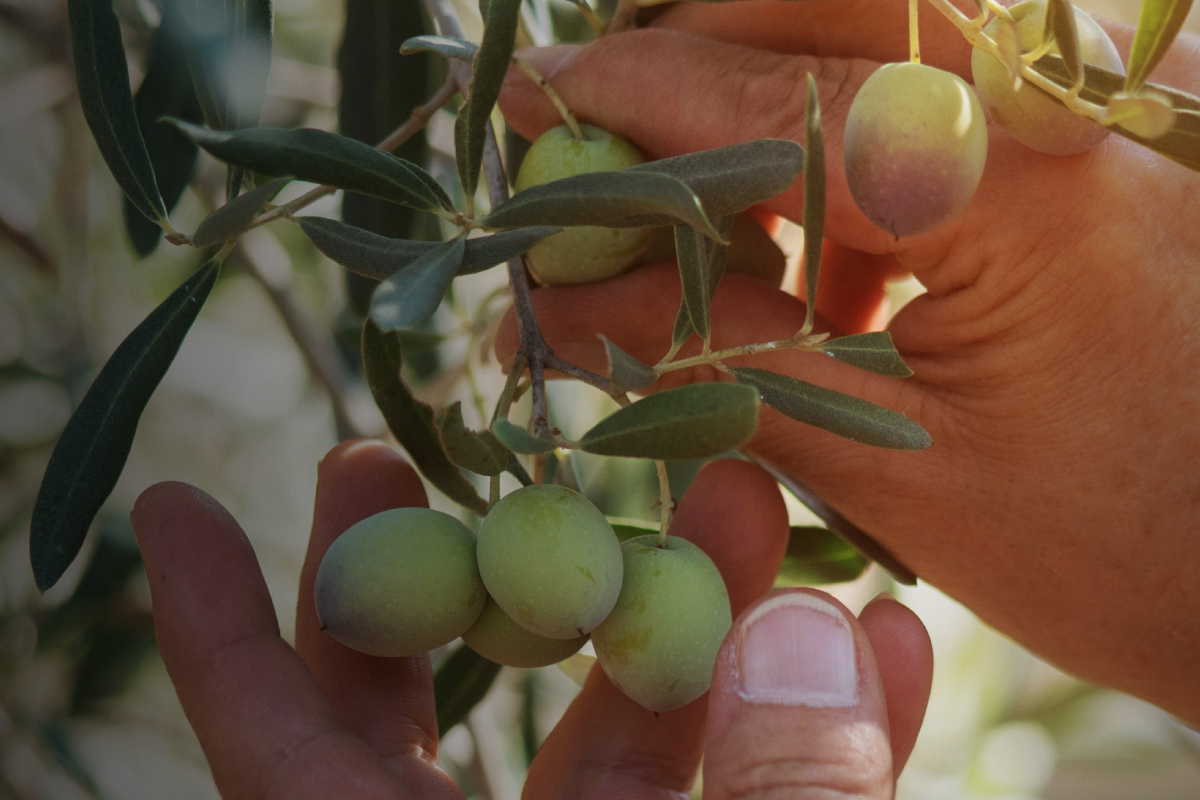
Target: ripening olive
point(582, 254)
point(496, 637)
point(550, 559)
point(915, 146)
point(1028, 114)
point(400, 583)
point(660, 642)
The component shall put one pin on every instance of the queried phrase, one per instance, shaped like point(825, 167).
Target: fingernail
point(796, 649)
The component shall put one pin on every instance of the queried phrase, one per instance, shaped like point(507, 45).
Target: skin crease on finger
point(1054, 355)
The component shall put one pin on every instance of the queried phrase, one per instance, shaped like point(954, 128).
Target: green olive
point(496, 637)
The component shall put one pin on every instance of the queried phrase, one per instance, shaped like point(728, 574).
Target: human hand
point(806, 699)
point(1054, 355)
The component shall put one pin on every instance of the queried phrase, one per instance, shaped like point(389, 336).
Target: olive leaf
point(461, 681)
point(627, 373)
point(515, 469)
point(701, 264)
point(1158, 25)
point(872, 351)
point(519, 440)
point(232, 219)
point(728, 179)
point(91, 452)
point(165, 91)
point(835, 412)
point(480, 452)
point(410, 420)
point(444, 45)
point(602, 198)
point(1146, 114)
point(1060, 27)
point(697, 421)
point(378, 257)
point(102, 77)
point(814, 201)
point(412, 294)
point(1181, 143)
point(816, 556)
point(326, 158)
point(229, 54)
point(630, 528)
point(489, 68)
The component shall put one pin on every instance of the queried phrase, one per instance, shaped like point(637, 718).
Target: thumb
point(797, 706)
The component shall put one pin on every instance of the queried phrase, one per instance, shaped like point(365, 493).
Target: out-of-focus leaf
point(232, 218)
point(626, 528)
point(814, 200)
point(380, 88)
point(90, 454)
point(872, 351)
point(443, 45)
point(602, 198)
point(165, 91)
point(461, 681)
point(378, 257)
point(1060, 26)
point(835, 412)
point(103, 80)
point(412, 294)
point(321, 157)
point(229, 54)
point(1158, 25)
point(517, 471)
point(110, 663)
point(519, 440)
point(816, 556)
point(697, 421)
point(480, 452)
point(411, 421)
point(626, 372)
point(729, 179)
point(1181, 144)
point(489, 68)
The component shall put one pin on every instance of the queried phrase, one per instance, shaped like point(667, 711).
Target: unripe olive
point(1028, 114)
point(550, 559)
point(915, 146)
point(496, 637)
point(582, 254)
point(400, 583)
point(659, 645)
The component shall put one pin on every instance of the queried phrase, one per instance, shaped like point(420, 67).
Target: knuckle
point(845, 776)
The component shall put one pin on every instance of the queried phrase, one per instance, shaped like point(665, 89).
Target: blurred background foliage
point(267, 382)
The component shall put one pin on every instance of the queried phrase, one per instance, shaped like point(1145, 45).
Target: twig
point(716, 357)
point(590, 16)
point(666, 504)
point(555, 98)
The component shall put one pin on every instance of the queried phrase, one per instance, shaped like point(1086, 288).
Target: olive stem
point(914, 38)
point(666, 506)
point(975, 35)
point(564, 112)
point(493, 491)
point(590, 16)
point(806, 343)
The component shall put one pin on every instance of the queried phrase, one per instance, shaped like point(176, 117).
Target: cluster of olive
point(545, 572)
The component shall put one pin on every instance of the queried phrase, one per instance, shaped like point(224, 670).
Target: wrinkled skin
point(1055, 352)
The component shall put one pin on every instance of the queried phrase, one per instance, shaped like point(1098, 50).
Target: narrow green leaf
point(165, 91)
point(873, 352)
point(229, 57)
point(816, 556)
point(411, 421)
point(103, 80)
point(692, 257)
point(444, 45)
point(753, 252)
point(326, 158)
point(729, 179)
point(683, 326)
point(519, 440)
point(697, 421)
point(814, 200)
point(461, 681)
point(606, 199)
point(378, 257)
point(1158, 25)
point(835, 412)
point(489, 68)
point(1060, 26)
point(231, 219)
point(480, 452)
point(1181, 144)
point(626, 372)
point(517, 471)
point(626, 528)
point(412, 294)
point(90, 454)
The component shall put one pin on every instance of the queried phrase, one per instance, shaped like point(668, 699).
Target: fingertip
point(524, 105)
point(360, 478)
